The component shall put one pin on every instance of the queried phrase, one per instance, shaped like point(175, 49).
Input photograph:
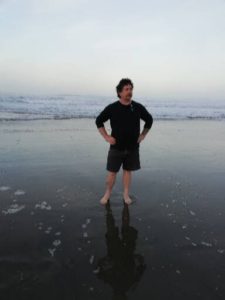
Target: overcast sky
point(170, 49)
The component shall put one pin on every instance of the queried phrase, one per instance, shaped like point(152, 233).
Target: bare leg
point(126, 184)
point(110, 180)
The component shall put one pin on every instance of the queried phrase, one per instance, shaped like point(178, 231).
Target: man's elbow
point(149, 122)
point(98, 123)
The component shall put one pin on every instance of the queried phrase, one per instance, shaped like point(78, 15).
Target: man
point(125, 138)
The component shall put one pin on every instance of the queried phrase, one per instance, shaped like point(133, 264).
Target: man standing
point(125, 137)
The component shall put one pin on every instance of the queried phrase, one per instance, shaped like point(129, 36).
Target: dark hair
point(122, 83)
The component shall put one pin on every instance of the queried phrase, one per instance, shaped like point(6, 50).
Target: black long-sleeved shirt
point(125, 122)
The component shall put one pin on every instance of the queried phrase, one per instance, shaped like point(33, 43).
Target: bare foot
point(127, 199)
point(105, 198)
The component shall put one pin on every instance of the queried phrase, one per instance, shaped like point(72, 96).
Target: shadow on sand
point(121, 268)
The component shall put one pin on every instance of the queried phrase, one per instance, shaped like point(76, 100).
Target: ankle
point(126, 193)
point(107, 192)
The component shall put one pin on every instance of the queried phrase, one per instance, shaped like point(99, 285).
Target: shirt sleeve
point(103, 116)
point(146, 116)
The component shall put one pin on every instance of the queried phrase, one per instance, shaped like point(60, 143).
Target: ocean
point(86, 106)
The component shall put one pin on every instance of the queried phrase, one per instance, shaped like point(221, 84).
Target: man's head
point(124, 88)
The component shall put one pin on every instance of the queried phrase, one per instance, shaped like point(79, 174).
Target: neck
point(125, 102)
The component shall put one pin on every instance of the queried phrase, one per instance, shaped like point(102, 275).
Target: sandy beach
point(58, 241)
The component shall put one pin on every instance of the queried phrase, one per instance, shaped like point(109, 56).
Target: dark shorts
point(130, 160)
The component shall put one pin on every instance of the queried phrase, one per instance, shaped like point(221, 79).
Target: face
point(126, 92)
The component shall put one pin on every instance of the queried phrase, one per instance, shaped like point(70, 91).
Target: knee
point(112, 174)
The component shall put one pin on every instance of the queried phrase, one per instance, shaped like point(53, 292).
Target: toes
point(127, 200)
point(104, 200)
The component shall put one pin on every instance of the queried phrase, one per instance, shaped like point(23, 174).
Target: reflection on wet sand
point(121, 268)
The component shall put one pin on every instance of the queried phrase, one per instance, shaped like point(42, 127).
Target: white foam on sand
point(84, 225)
point(220, 251)
point(206, 244)
point(184, 226)
point(55, 243)
point(96, 271)
point(85, 234)
point(192, 212)
point(59, 190)
point(170, 214)
point(4, 188)
point(91, 259)
point(43, 205)
point(51, 251)
point(19, 192)
point(48, 230)
point(14, 208)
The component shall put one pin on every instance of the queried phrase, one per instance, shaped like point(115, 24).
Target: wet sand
point(58, 242)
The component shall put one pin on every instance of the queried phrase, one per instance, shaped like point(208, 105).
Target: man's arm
point(147, 117)
point(99, 121)
point(103, 132)
point(145, 131)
